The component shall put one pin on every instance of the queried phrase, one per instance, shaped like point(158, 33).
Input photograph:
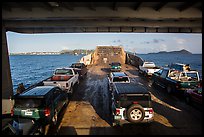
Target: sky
point(141, 43)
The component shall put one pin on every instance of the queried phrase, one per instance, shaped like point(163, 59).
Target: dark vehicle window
point(76, 71)
point(30, 103)
point(192, 75)
point(120, 79)
point(76, 66)
point(56, 93)
point(116, 64)
point(159, 72)
point(164, 73)
point(138, 98)
point(64, 71)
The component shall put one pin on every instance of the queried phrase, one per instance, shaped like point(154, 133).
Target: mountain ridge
point(183, 51)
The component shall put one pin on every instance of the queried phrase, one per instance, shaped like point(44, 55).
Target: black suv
point(131, 103)
point(40, 103)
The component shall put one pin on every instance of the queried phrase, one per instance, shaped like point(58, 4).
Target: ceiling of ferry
point(91, 17)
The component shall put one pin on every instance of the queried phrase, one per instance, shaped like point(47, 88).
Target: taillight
point(135, 102)
point(177, 85)
point(47, 111)
point(12, 112)
point(151, 111)
point(117, 112)
point(67, 84)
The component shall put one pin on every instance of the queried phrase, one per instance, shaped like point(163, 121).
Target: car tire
point(78, 82)
point(71, 89)
point(135, 113)
point(54, 118)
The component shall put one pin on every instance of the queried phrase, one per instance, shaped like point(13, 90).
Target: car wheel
point(71, 90)
point(54, 119)
point(135, 113)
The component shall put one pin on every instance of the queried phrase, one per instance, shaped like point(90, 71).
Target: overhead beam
point(67, 5)
point(92, 6)
point(24, 6)
point(137, 5)
point(53, 4)
point(6, 7)
point(48, 6)
point(160, 6)
point(115, 7)
point(101, 23)
point(185, 6)
point(108, 29)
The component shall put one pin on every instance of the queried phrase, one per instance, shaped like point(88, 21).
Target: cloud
point(180, 41)
point(153, 41)
point(116, 41)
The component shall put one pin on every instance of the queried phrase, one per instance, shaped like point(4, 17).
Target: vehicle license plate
point(28, 113)
point(117, 117)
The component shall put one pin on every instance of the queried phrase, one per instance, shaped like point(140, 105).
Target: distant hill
point(183, 51)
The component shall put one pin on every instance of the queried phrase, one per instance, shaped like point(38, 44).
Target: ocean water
point(29, 69)
point(195, 60)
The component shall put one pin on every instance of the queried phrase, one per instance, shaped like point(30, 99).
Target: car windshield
point(192, 75)
point(64, 71)
point(120, 79)
point(28, 102)
point(116, 64)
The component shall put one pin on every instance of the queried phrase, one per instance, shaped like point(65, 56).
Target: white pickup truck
point(117, 77)
point(148, 68)
point(65, 78)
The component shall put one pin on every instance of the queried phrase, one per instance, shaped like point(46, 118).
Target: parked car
point(193, 95)
point(65, 78)
point(40, 103)
point(174, 80)
point(131, 103)
point(148, 68)
point(115, 66)
point(81, 68)
point(117, 77)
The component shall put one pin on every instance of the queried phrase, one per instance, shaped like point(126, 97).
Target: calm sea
point(195, 60)
point(30, 69)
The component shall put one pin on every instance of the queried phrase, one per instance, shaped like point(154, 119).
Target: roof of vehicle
point(64, 68)
point(38, 91)
point(130, 88)
point(77, 63)
point(119, 74)
point(146, 62)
